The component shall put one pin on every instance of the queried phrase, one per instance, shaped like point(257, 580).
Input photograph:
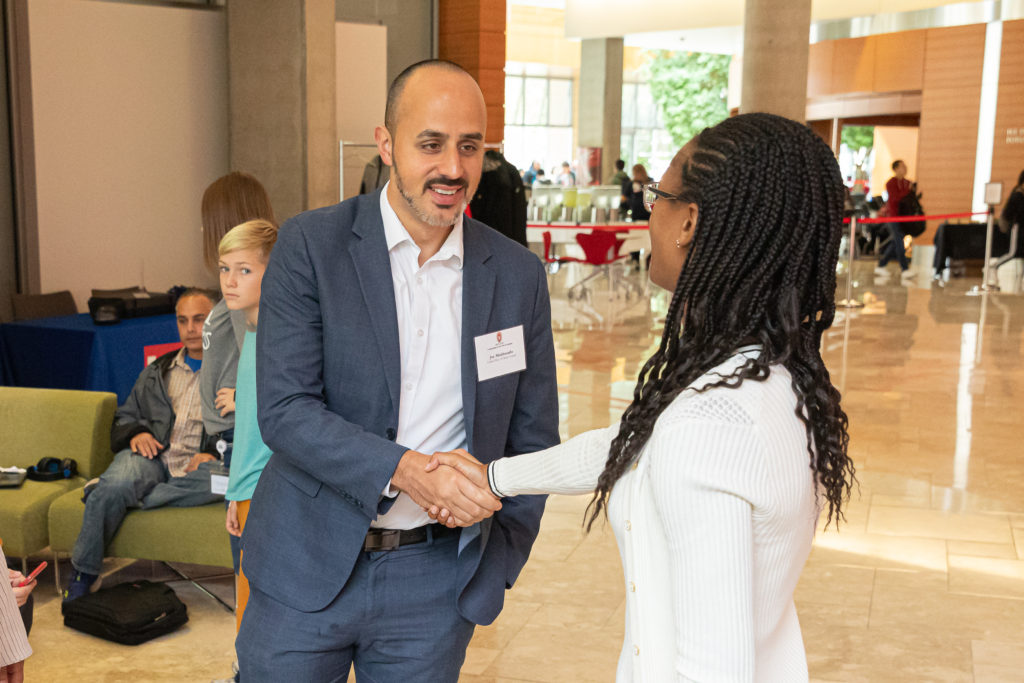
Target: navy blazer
point(328, 379)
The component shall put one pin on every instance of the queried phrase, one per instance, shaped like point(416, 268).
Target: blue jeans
point(395, 620)
point(132, 481)
point(894, 249)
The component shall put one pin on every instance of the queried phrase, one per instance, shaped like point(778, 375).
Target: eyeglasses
point(652, 193)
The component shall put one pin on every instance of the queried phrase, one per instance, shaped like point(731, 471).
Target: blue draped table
point(72, 352)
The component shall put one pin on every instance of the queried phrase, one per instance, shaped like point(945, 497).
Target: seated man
point(156, 436)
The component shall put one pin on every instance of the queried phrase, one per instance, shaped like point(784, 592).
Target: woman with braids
point(735, 441)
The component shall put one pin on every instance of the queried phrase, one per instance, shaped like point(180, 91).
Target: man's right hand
point(145, 445)
point(445, 487)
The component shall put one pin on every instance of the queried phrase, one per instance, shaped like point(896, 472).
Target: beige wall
point(130, 114)
point(892, 143)
point(361, 95)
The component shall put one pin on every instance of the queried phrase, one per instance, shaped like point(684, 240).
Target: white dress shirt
point(428, 300)
point(714, 522)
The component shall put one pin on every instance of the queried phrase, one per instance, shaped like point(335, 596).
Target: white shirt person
point(735, 441)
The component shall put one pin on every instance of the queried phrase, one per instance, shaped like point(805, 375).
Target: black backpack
point(129, 613)
point(911, 206)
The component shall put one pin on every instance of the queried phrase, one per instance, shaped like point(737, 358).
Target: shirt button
point(632, 587)
point(408, 386)
point(628, 525)
point(636, 650)
point(419, 279)
point(419, 333)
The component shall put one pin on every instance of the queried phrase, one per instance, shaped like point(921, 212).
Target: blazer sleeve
point(293, 416)
point(533, 427)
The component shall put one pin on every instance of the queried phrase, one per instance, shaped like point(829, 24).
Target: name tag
point(500, 353)
point(218, 479)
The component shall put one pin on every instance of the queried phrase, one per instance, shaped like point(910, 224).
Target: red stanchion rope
point(916, 219)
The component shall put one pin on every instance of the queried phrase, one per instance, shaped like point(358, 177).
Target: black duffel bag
point(129, 613)
point(911, 206)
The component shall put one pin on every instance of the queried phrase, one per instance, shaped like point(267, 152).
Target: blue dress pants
point(395, 620)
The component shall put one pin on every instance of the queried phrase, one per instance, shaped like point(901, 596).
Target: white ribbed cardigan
point(714, 523)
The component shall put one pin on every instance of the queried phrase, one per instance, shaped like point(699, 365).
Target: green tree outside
point(858, 137)
point(691, 90)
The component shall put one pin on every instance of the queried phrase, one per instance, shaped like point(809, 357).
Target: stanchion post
point(993, 196)
point(849, 301)
point(988, 285)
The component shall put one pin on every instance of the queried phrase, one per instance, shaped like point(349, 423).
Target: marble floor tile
point(927, 523)
point(986, 576)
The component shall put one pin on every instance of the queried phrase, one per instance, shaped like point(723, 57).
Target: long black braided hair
point(761, 269)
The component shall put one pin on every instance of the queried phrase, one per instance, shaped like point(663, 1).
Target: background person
point(566, 178)
point(500, 201)
point(230, 200)
point(243, 260)
point(896, 188)
point(620, 176)
point(713, 478)
point(157, 437)
point(633, 193)
point(1013, 210)
point(14, 647)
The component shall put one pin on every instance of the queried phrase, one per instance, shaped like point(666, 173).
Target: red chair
point(601, 250)
point(555, 261)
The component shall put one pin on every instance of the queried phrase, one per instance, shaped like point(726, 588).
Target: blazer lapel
point(477, 295)
point(373, 268)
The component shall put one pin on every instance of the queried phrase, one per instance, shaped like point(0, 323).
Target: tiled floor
point(924, 582)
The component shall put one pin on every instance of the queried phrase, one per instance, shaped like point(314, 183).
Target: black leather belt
point(389, 539)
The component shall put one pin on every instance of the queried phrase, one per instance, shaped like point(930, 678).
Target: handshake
point(450, 486)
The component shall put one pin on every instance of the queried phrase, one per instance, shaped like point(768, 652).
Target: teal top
point(249, 454)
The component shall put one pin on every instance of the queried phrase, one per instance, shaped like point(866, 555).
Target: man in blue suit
point(392, 327)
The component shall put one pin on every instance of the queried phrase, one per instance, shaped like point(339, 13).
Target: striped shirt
point(14, 645)
point(187, 433)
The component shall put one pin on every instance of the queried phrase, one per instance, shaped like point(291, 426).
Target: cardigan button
point(636, 650)
point(632, 587)
point(629, 526)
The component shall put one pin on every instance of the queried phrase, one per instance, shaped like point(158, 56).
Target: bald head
point(434, 67)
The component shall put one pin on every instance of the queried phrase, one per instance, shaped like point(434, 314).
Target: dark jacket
point(148, 407)
point(500, 201)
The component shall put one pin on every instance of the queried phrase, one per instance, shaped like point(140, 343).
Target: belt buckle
point(387, 539)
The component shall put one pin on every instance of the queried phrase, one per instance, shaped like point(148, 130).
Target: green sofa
point(38, 423)
point(193, 535)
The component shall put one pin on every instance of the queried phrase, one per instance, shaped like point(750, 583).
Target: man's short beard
point(434, 220)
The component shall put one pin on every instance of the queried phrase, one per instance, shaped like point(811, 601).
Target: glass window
point(629, 105)
point(536, 101)
point(561, 103)
point(513, 99)
point(646, 110)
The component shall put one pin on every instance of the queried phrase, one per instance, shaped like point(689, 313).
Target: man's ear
point(689, 225)
point(382, 137)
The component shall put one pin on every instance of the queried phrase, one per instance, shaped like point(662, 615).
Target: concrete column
point(776, 34)
point(471, 33)
point(600, 99)
point(282, 106)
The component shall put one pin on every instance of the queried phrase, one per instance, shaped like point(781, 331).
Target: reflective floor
point(924, 581)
